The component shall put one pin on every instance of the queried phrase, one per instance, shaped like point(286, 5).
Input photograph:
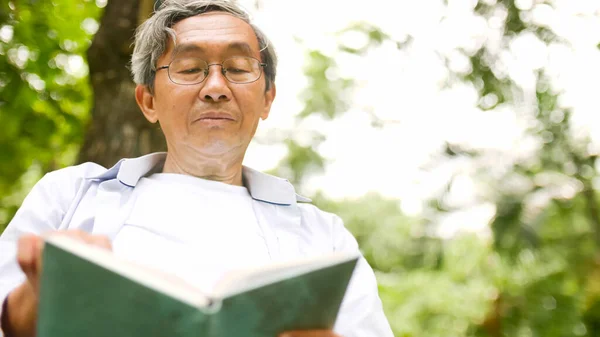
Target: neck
point(220, 168)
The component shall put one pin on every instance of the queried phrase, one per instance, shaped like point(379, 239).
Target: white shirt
point(142, 213)
point(199, 219)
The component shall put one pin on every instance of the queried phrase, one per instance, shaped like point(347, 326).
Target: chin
point(216, 146)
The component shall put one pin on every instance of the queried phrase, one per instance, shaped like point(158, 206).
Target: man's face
point(215, 116)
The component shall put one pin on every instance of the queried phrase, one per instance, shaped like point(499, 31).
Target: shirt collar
point(261, 186)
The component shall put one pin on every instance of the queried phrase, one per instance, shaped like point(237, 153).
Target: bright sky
point(406, 87)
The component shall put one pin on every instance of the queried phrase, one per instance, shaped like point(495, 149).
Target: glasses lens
point(188, 70)
point(242, 69)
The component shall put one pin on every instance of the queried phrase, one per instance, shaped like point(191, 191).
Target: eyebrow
point(186, 48)
point(242, 46)
point(189, 47)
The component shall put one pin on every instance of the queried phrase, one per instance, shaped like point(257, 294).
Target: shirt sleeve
point(42, 210)
point(361, 314)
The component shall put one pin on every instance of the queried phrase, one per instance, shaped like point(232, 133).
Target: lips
point(216, 116)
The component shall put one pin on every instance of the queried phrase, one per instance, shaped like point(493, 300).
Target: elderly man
point(206, 74)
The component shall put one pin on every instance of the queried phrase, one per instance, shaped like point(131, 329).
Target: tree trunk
point(117, 127)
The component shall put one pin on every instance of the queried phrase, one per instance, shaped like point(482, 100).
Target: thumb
point(29, 257)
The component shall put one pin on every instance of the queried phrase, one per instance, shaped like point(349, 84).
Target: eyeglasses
point(191, 70)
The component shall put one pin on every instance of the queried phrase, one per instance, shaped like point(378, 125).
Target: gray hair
point(152, 36)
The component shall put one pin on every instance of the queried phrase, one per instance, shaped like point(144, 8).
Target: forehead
point(214, 31)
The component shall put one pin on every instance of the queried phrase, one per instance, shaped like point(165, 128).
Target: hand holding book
point(254, 299)
point(20, 315)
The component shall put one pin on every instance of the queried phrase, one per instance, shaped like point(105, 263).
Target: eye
point(190, 70)
point(188, 66)
point(236, 70)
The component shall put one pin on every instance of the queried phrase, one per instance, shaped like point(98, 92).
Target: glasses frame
point(208, 65)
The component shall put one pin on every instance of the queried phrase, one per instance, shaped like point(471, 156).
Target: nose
point(215, 87)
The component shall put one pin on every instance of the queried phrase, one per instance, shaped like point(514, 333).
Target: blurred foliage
point(536, 274)
point(44, 93)
point(325, 93)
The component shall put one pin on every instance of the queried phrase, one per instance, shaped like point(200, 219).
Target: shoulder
point(311, 211)
point(47, 203)
point(321, 221)
point(318, 219)
point(64, 183)
point(73, 174)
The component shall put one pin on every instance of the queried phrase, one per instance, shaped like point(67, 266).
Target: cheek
point(252, 101)
point(173, 108)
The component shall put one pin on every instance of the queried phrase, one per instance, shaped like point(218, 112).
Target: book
point(88, 291)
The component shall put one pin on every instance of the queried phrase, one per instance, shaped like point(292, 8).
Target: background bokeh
point(458, 140)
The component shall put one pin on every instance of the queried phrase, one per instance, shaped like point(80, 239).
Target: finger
point(29, 252)
point(76, 234)
point(94, 240)
point(309, 333)
point(102, 242)
point(38, 249)
point(26, 253)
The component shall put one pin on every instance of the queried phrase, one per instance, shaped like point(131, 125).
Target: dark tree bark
point(117, 127)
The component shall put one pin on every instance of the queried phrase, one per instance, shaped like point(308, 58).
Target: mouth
point(215, 116)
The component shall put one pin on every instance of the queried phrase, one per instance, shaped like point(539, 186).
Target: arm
point(19, 316)
point(21, 302)
point(361, 314)
point(19, 319)
point(42, 211)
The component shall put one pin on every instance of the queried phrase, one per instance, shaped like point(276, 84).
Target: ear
point(269, 98)
point(145, 101)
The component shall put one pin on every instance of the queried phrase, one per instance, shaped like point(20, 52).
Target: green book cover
point(87, 291)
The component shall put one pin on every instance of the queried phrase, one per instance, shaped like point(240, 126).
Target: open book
point(88, 291)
